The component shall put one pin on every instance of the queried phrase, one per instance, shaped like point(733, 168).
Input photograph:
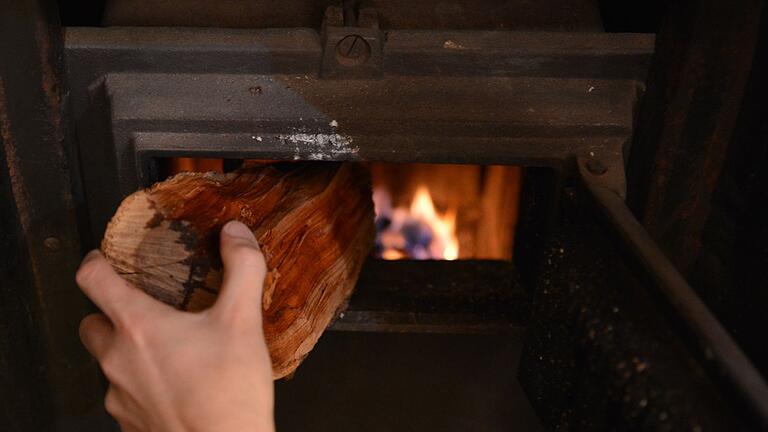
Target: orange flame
point(443, 244)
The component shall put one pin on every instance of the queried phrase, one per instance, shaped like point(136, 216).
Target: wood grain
point(314, 224)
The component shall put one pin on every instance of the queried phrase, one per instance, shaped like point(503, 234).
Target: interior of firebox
point(427, 211)
point(443, 295)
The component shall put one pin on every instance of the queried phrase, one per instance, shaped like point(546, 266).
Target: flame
point(438, 229)
point(445, 244)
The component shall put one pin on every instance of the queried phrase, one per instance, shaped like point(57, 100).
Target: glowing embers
point(417, 231)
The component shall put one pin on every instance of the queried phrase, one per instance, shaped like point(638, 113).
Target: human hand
point(171, 370)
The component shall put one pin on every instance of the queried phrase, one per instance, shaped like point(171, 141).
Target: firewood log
point(314, 224)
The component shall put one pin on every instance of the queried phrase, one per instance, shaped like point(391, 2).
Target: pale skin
point(170, 370)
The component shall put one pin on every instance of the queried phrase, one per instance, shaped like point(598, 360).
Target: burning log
point(314, 224)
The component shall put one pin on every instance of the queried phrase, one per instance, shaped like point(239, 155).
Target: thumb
point(244, 271)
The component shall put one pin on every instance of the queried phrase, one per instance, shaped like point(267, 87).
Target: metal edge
point(716, 344)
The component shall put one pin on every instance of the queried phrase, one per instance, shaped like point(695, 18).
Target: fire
point(417, 232)
point(445, 244)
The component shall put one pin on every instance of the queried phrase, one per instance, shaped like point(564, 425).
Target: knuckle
point(86, 324)
point(87, 273)
point(111, 404)
point(133, 329)
point(109, 367)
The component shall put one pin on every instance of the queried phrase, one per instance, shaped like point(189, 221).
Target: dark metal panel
point(534, 121)
point(223, 13)
point(436, 297)
point(730, 272)
point(713, 341)
point(476, 106)
point(389, 382)
point(47, 245)
point(92, 52)
point(508, 53)
point(491, 97)
point(599, 354)
point(542, 193)
point(557, 15)
point(541, 15)
point(19, 351)
point(695, 87)
point(529, 151)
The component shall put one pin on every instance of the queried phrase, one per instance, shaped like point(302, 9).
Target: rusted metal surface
point(695, 89)
point(44, 233)
point(713, 342)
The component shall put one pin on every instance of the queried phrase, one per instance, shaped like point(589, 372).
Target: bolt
point(52, 243)
point(596, 167)
point(353, 50)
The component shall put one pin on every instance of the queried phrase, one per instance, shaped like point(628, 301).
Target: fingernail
point(239, 230)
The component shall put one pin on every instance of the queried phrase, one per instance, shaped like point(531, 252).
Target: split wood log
point(314, 224)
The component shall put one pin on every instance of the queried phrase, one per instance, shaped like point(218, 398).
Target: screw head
point(353, 50)
point(596, 167)
point(52, 244)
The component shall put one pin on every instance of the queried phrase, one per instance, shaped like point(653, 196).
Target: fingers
point(96, 332)
point(244, 271)
point(110, 292)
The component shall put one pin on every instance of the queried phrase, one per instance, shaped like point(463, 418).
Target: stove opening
point(427, 211)
point(445, 212)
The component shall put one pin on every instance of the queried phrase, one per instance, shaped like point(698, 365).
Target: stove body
point(613, 336)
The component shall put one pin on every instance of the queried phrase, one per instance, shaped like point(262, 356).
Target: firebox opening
point(445, 212)
point(427, 211)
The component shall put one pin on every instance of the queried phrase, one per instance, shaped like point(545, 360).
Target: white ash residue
point(320, 146)
point(449, 44)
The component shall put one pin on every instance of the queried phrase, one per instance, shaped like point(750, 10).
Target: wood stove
point(613, 337)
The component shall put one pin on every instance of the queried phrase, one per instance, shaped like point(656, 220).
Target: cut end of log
point(314, 224)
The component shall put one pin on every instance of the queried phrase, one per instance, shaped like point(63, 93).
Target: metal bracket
point(608, 174)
